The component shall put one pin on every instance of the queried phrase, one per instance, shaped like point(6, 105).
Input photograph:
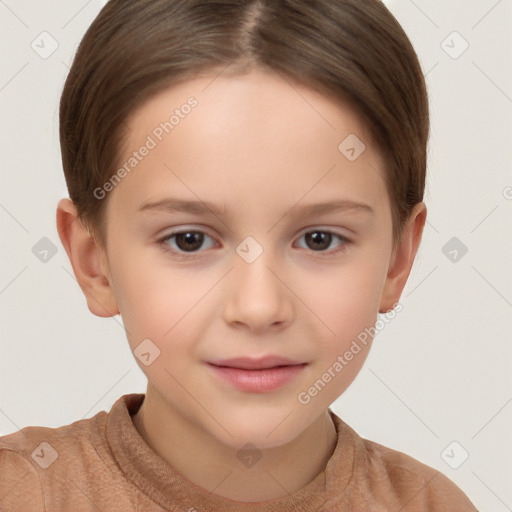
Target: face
point(259, 272)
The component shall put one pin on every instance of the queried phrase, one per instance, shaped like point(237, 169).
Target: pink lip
point(257, 375)
point(250, 363)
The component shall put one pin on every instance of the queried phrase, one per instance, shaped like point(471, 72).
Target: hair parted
point(348, 50)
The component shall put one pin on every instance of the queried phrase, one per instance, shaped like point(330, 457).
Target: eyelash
point(192, 255)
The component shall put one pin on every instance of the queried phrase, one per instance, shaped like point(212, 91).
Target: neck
point(215, 467)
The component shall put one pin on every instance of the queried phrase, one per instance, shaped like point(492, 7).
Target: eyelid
point(323, 229)
point(186, 229)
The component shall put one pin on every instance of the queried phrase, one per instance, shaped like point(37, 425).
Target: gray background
point(439, 372)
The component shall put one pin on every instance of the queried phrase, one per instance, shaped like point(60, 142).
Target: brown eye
point(189, 241)
point(186, 241)
point(320, 240)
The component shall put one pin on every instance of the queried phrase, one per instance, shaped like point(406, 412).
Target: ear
point(88, 259)
point(403, 258)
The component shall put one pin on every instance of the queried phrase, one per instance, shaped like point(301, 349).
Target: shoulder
point(20, 485)
point(417, 487)
point(35, 459)
point(377, 478)
point(42, 446)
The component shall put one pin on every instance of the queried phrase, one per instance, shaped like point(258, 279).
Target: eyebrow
point(173, 205)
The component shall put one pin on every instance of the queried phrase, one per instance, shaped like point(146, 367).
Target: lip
point(252, 363)
point(261, 375)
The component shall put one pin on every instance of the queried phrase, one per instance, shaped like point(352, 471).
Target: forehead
point(253, 136)
point(246, 101)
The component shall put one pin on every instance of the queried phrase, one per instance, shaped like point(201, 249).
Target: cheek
point(347, 301)
point(346, 297)
point(347, 306)
point(157, 301)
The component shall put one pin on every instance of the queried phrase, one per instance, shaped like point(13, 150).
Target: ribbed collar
point(157, 479)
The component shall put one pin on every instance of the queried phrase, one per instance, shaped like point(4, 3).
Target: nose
point(258, 296)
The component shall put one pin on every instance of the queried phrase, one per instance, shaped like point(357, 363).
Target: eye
point(318, 240)
point(187, 241)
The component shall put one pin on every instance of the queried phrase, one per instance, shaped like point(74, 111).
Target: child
point(251, 130)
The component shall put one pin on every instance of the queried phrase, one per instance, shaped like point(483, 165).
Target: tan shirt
point(103, 464)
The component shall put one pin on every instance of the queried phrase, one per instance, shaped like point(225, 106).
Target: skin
point(254, 145)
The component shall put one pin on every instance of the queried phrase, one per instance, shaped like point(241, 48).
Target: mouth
point(261, 375)
point(262, 363)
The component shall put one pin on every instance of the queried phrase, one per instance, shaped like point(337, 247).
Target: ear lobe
point(86, 258)
point(403, 258)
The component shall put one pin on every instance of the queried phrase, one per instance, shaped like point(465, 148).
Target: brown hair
point(351, 50)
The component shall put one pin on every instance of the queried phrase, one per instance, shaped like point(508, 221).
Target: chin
point(265, 431)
